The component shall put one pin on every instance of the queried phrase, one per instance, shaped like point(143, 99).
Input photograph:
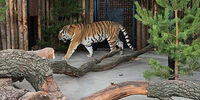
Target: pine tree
point(181, 42)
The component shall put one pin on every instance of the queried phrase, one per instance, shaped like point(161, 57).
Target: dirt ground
point(76, 88)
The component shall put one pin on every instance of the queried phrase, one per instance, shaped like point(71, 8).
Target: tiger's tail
point(126, 36)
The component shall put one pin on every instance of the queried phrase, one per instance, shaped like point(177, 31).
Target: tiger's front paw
point(89, 55)
point(121, 52)
point(65, 58)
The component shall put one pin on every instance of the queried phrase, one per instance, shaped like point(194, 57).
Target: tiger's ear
point(66, 27)
point(72, 27)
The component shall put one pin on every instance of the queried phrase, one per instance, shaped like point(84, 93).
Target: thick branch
point(162, 90)
point(118, 91)
point(62, 67)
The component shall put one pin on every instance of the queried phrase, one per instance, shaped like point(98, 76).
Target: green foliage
point(163, 32)
point(66, 8)
point(157, 70)
point(3, 10)
point(61, 13)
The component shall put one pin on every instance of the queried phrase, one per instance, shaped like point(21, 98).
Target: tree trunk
point(62, 67)
point(176, 60)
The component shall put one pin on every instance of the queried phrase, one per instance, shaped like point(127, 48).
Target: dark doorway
point(121, 11)
point(32, 22)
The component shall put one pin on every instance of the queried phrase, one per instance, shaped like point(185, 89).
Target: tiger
point(88, 34)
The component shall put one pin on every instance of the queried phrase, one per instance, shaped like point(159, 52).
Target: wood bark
point(45, 53)
point(8, 92)
point(162, 90)
point(3, 35)
point(25, 24)
point(62, 67)
point(20, 24)
point(47, 11)
point(39, 20)
point(0, 38)
point(15, 25)
point(8, 26)
point(11, 4)
point(19, 64)
point(176, 60)
point(139, 41)
point(118, 91)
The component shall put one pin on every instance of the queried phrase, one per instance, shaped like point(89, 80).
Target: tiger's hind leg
point(120, 45)
point(112, 44)
point(90, 50)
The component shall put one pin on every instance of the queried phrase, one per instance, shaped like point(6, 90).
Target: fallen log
point(19, 64)
point(45, 53)
point(162, 90)
point(62, 67)
point(8, 92)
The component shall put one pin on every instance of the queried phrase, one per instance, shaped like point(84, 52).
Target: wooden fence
point(14, 29)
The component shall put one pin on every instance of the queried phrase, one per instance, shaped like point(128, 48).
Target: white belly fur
point(89, 41)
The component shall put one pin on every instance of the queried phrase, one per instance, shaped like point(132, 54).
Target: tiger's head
point(66, 33)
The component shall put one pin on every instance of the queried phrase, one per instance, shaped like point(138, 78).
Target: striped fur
point(92, 33)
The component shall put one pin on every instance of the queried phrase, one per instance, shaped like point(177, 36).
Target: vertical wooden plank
point(8, 26)
point(47, 12)
point(39, 20)
point(143, 36)
point(25, 24)
point(3, 35)
point(139, 41)
point(51, 6)
point(20, 24)
point(91, 11)
point(87, 11)
point(15, 25)
point(43, 8)
point(83, 14)
point(12, 24)
point(0, 39)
